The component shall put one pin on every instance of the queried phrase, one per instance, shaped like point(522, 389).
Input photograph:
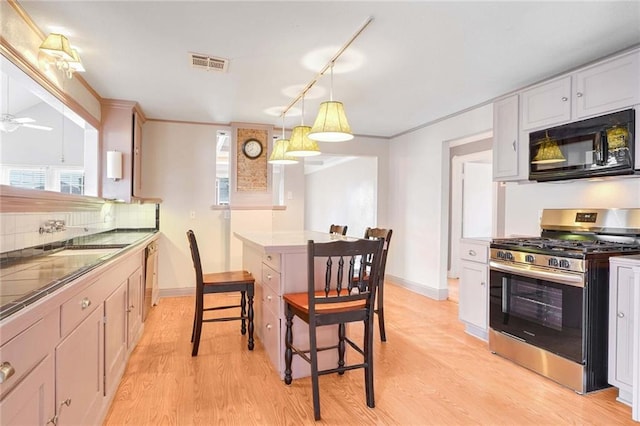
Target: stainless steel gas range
point(548, 308)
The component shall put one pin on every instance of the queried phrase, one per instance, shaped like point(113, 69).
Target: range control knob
point(529, 258)
point(500, 254)
point(564, 263)
point(553, 262)
point(508, 255)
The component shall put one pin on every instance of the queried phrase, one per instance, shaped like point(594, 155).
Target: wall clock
point(252, 148)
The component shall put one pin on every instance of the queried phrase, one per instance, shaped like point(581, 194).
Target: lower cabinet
point(62, 359)
point(473, 293)
point(135, 300)
point(32, 402)
point(79, 372)
point(624, 323)
point(115, 337)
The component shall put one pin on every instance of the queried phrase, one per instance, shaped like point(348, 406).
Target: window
point(27, 178)
point(72, 182)
point(222, 168)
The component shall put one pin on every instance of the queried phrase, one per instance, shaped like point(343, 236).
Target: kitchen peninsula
point(278, 261)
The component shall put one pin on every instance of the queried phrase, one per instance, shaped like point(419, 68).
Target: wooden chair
point(220, 282)
point(342, 297)
point(383, 234)
point(338, 229)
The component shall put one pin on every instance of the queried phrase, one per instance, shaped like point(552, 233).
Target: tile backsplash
point(22, 230)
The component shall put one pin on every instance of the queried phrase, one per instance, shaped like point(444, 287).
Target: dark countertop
point(28, 275)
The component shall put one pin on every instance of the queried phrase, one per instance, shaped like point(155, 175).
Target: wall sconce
point(58, 50)
point(114, 165)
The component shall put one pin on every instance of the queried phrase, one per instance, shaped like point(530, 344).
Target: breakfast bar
point(278, 261)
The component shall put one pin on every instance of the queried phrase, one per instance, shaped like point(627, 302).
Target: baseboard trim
point(430, 292)
point(177, 292)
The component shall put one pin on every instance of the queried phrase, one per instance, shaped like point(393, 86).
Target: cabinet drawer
point(74, 310)
point(271, 336)
point(27, 349)
point(475, 252)
point(270, 279)
point(271, 300)
point(272, 260)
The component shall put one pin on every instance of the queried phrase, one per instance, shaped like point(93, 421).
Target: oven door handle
point(532, 272)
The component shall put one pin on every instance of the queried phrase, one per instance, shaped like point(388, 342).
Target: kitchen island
point(278, 261)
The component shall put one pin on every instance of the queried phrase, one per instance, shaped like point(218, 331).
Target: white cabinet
point(32, 401)
point(115, 337)
point(598, 89)
point(473, 302)
point(607, 86)
point(507, 150)
point(546, 105)
point(624, 326)
point(80, 372)
point(135, 298)
point(122, 131)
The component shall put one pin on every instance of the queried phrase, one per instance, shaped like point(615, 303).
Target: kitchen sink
point(86, 251)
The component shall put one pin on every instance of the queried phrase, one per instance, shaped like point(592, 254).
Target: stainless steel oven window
point(538, 303)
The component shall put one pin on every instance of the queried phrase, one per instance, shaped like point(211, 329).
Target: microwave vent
point(208, 63)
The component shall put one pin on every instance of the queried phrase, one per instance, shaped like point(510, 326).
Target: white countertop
point(287, 241)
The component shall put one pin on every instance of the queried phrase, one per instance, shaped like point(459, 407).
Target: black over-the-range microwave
point(600, 146)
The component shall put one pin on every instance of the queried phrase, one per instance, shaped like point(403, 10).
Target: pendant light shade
point(279, 155)
point(57, 45)
point(300, 145)
point(331, 124)
point(548, 153)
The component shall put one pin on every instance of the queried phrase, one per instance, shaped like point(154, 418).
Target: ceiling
point(416, 62)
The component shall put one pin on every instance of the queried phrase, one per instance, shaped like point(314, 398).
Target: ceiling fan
point(10, 123)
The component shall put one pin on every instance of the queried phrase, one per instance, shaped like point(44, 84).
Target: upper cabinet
point(506, 147)
point(122, 131)
point(604, 87)
point(598, 89)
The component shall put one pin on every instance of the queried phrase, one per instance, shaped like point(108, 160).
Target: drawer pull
point(6, 371)
point(472, 252)
point(620, 314)
point(269, 277)
point(269, 257)
point(269, 326)
point(564, 99)
point(130, 308)
point(269, 298)
point(482, 284)
point(85, 303)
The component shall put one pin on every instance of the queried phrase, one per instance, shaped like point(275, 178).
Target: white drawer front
point(271, 279)
point(475, 252)
point(272, 260)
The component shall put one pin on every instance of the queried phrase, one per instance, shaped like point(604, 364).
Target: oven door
point(542, 308)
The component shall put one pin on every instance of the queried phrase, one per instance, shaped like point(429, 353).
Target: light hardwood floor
point(429, 372)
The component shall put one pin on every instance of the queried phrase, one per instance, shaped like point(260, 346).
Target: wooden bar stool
point(338, 229)
point(345, 297)
point(383, 234)
point(220, 282)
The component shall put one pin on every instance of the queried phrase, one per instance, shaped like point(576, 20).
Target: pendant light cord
point(327, 66)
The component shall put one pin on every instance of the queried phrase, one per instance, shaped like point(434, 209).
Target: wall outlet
point(192, 214)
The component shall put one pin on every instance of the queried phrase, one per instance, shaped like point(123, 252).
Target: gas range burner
point(562, 245)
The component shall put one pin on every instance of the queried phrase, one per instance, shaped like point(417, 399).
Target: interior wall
point(343, 194)
point(179, 167)
point(524, 202)
point(418, 200)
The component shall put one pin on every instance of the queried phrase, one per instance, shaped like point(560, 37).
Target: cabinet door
point(80, 372)
point(473, 294)
point(137, 155)
point(32, 401)
point(505, 138)
point(546, 105)
point(135, 291)
point(115, 337)
point(609, 86)
point(621, 314)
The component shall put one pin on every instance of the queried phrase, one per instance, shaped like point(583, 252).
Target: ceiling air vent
point(209, 63)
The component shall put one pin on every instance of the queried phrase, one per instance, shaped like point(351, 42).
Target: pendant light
point(331, 123)
point(279, 154)
point(300, 145)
